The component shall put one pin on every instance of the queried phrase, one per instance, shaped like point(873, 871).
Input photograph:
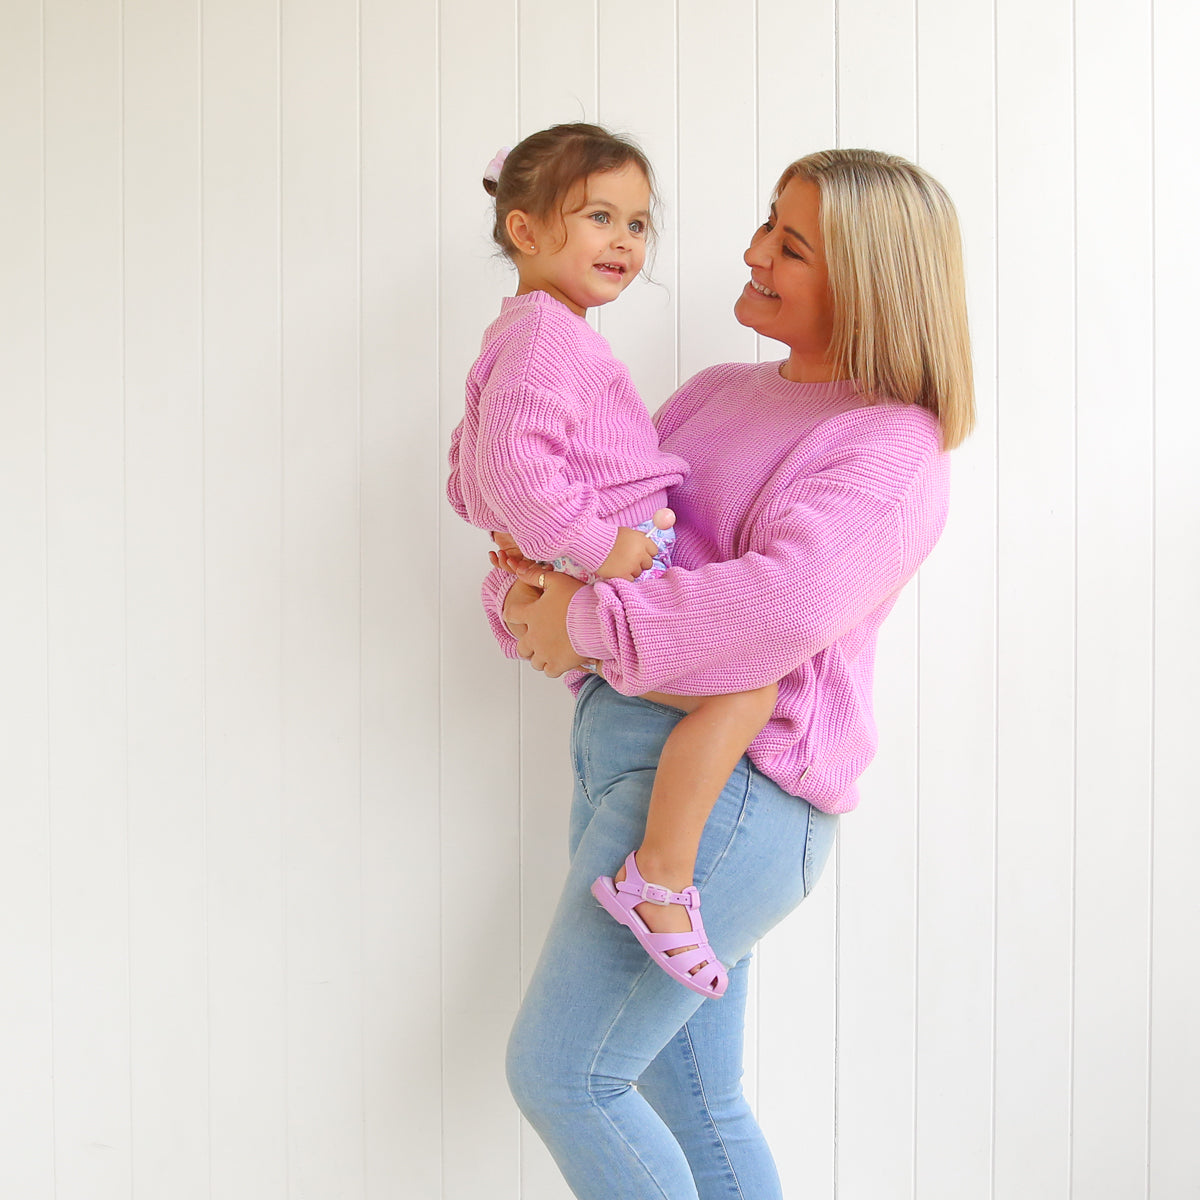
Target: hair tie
point(493, 169)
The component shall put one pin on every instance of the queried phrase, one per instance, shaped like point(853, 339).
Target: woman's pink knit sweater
point(803, 516)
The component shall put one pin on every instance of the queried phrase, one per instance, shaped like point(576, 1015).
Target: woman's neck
point(803, 368)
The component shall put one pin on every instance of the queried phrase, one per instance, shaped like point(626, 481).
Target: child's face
point(600, 245)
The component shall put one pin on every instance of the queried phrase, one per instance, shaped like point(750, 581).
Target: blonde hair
point(894, 254)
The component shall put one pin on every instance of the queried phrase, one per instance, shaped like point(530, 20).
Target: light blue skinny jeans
point(599, 1017)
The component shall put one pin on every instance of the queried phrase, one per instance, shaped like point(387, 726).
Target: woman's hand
point(519, 593)
point(535, 610)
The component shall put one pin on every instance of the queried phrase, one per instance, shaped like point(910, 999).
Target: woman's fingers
point(527, 652)
point(544, 642)
point(529, 573)
point(516, 605)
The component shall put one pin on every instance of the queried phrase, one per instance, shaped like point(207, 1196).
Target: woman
point(818, 485)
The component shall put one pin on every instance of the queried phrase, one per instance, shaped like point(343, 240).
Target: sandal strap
point(711, 976)
point(676, 941)
point(656, 893)
point(694, 958)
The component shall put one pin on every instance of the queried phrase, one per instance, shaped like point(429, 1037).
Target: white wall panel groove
point(1036, 597)
point(1174, 1110)
point(243, 518)
point(281, 831)
point(26, 929)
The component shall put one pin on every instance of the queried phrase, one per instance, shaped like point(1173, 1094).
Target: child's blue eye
point(601, 217)
point(637, 227)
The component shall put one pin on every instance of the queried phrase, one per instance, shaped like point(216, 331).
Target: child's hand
point(508, 554)
point(632, 554)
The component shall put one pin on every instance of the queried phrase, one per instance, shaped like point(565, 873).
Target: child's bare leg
point(694, 767)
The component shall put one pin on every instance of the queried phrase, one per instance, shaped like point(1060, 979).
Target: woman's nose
point(756, 255)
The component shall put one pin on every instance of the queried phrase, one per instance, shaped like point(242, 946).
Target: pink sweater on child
point(803, 516)
point(556, 446)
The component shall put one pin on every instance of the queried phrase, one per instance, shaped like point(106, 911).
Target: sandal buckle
point(656, 894)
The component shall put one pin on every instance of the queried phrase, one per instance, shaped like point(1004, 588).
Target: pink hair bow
point(494, 168)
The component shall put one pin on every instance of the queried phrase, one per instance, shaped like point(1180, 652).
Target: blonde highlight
point(894, 254)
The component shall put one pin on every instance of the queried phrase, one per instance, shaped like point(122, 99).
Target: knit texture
point(556, 446)
point(803, 516)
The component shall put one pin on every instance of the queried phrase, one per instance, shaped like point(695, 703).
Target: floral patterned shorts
point(664, 539)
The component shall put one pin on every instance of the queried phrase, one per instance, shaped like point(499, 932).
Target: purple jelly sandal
point(619, 900)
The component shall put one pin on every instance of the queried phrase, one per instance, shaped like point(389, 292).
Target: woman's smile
point(795, 307)
point(756, 288)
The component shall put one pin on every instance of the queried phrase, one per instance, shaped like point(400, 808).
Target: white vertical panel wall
point(1035, 602)
point(280, 830)
point(243, 854)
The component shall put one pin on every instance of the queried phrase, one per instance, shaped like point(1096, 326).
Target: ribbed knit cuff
point(591, 545)
point(584, 628)
point(496, 586)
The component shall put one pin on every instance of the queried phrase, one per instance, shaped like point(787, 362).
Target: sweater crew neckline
point(538, 299)
point(839, 392)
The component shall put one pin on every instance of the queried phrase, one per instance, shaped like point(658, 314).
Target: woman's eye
point(766, 226)
point(788, 252)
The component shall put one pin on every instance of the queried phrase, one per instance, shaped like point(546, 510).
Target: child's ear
point(519, 227)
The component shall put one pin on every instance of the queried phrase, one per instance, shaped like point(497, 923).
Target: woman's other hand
point(519, 594)
point(535, 611)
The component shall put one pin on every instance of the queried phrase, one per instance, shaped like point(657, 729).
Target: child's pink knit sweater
point(802, 518)
point(556, 446)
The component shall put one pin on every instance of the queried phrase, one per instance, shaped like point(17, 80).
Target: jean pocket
point(818, 842)
point(581, 735)
point(724, 822)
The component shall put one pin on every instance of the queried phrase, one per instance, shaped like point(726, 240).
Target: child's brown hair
point(540, 172)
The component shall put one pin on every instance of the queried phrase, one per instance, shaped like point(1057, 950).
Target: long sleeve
point(827, 558)
point(454, 489)
point(807, 508)
point(555, 445)
point(496, 585)
point(524, 475)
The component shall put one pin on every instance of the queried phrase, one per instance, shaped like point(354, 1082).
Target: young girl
point(557, 451)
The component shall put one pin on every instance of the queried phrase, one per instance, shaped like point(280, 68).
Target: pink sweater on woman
point(556, 446)
point(804, 515)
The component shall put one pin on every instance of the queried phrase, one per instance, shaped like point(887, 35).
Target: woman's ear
point(519, 227)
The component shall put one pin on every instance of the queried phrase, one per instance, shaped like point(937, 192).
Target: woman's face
point(788, 296)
